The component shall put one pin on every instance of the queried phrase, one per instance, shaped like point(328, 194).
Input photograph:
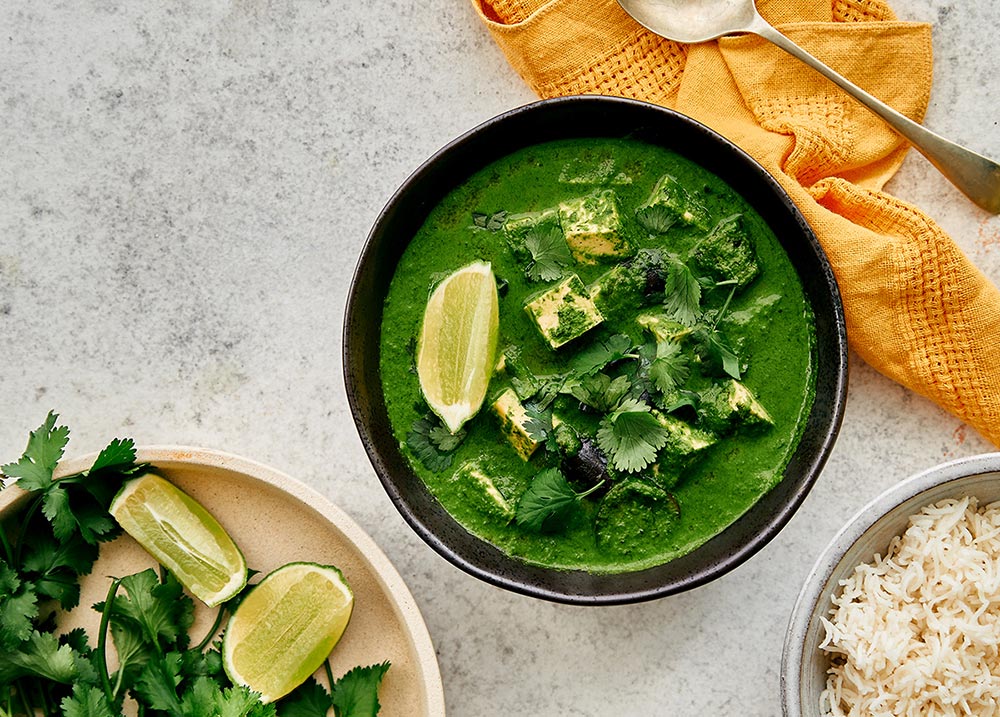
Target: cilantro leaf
point(549, 502)
point(201, 698)
point(54, 567)
point(307, 700)
point(92, 519)
point(683, 292)
point(444, 439)
point(655, 219)
point(161, 610)
point(549, 253)
point(42, 656)
point(87, 701)
point(18, 607)
point(631, 436)
point(356, 693)
point(203, 664)
point(671, 368)
point(493, 222)
point(432, 444)
point(600, 391)
point(717, 352)
point(681, 398)
point(45, 447)
point(238, 701)
point(55, 507)
point(118, 453)
point(601, 353)
point(156, 685)
point(538, 424)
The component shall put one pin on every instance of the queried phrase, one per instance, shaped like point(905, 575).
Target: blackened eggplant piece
point(588, 466)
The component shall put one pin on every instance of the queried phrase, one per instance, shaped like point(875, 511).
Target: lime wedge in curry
point(458, 342)
point(183, 536)
point(286, 627)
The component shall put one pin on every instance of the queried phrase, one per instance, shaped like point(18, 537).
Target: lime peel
point(286, 627)
point(458, 343)
point(183, 537)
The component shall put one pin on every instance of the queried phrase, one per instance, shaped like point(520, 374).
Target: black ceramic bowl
point(588, 116)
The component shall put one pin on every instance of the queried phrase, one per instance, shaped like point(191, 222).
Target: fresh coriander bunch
point(44, 551)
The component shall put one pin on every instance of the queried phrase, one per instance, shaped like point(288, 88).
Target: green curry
point(656, 358)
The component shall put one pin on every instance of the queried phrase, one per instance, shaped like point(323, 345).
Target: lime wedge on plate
point(184, 537)
point(286, 627)
point(458, 343)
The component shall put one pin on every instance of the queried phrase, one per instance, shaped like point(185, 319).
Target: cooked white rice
point(917, 633)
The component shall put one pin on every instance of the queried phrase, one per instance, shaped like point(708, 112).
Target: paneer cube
point(670, 203)
point(525, 383)
point(631, 284)
point(730, 405)
point(514, 420)
point(479, 489)
point(564, 312)
point(593, 227)
point(663, 327)
point(517, 227)
point(727, 252)
point(684, 443)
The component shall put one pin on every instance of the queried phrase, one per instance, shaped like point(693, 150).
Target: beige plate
point(276, 520)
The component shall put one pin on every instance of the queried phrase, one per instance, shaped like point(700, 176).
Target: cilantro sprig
point(54, 541)
point(549, 502)
point(550, 253)
point(631, 436)
point(432, 443)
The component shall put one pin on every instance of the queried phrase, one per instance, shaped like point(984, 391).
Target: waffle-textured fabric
point(917, 309)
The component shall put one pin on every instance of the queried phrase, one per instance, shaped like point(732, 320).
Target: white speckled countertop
point(184, 190)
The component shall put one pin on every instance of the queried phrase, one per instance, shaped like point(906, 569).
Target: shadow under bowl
point(596, 117)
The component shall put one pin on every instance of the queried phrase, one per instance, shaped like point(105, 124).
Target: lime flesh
point(286, 627)
point(183, 536)
point(458, 342)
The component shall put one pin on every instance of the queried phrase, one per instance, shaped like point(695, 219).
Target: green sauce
point(769, 321)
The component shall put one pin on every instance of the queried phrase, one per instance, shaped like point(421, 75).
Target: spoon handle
point(975, 175)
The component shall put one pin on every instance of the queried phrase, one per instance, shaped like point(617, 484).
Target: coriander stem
point(102, 640)
point(29, 710)
point(28, 515)
point(45, 702)
point(725, 307)
point(591, 489)
point(212, 630)
point(329, 675)
point(7, 550)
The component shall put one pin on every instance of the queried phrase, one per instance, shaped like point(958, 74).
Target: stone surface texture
point(184, 191)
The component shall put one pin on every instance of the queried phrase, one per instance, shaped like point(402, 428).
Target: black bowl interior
point(589, 116)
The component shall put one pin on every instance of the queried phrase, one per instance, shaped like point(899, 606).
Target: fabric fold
point(917, 309)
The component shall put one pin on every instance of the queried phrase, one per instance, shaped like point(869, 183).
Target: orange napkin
point(917, 309)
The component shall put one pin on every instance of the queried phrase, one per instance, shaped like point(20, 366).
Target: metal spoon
point(691, 21)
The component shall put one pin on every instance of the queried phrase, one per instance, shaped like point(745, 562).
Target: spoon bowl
point(693, 21)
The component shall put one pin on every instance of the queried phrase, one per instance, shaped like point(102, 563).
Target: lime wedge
point(458, 342)
point(184, 537)
point(286, 627)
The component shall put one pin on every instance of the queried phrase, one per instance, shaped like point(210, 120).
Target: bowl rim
point(733, 558)
point(818, 578)
point(385, 573)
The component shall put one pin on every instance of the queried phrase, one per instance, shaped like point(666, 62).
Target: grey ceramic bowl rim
point(793, 651)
